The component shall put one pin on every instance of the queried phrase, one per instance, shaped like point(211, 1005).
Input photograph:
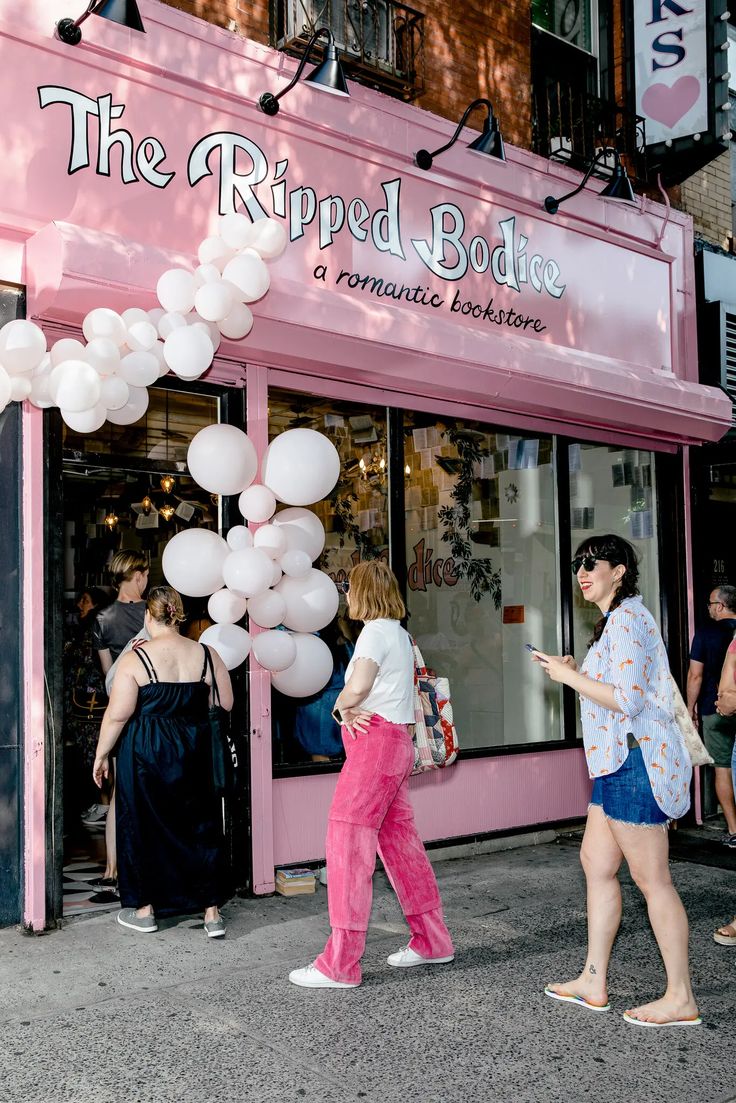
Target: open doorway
point(122, 489)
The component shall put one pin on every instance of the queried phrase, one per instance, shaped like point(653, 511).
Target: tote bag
point(225, 764)
point(435, 738)
point(695, 746)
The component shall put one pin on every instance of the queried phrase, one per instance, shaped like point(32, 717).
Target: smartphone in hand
point(531, 647)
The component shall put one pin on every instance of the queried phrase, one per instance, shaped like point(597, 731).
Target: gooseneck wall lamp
point(618, 187)
point(328, 76)
point(124, 12)
point(488, 142)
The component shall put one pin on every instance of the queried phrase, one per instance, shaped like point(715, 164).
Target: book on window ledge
point(295, 882)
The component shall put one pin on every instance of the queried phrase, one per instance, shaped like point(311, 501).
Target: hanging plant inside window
point(455, 519)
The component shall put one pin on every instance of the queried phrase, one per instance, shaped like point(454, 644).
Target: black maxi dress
point(169, 827)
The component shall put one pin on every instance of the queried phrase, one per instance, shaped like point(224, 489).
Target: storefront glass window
point(355, 517)
point(613, 489)
point(482, 574)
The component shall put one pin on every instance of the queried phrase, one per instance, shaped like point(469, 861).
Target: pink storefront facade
point(448, 295)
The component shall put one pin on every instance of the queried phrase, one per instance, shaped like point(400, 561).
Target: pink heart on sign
point(668, 105)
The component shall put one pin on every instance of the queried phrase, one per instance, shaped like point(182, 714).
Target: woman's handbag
point(225, 765)
point(435, 737)
point(695, 747)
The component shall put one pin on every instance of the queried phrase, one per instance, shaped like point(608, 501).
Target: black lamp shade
point(124, 12)
point(489, 141)
point(328, 75)
point(619, 186)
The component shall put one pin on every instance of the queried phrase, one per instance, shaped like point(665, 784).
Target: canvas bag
point(435, 737)
point(695, 746)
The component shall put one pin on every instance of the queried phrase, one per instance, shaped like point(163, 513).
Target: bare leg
point(600, 856)
point(724, 792)
point(111, 867)
point(646, 850)
point(211, 914)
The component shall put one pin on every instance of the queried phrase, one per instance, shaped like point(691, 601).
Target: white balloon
point(269, 238)
point(311, 670)
point(67, 349)
point(114, 392)
point(257, 503)
point(222, 459)
point(207, 273)
point(239, 537)
point(249, 274)
point(158, 352)
point(134, 408)
point(170, 321)
point(274, 650)
point(142, 336)
point(103, 354)
point(271, 540)
point(211, 328)
point(213, 301)
point(20, 387)
point(103, 322)
point(247, 572)
point(192, 562)
point(175, 290)
point(300, 466)
point(311, 600)
point(75, 386)
point(295, 562)
point(213, 250)
point(238, 323)
point(304, 530)
point(155, 315)
point(277, 575)
point(139, 369)
point(188, 352)
point(22, 346)
point(235, 230)
point(43, 367)
point(4, 389)
point(267, 609)
point(230, 641)
point(39, 395)
point(85, 421)
point(135, 314)
point(225, 607)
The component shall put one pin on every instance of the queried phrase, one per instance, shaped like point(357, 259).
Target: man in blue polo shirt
point(706, 659)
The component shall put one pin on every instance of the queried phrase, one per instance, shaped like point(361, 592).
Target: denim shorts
point(627, 795)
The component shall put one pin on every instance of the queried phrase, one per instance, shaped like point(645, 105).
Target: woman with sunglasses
point(641, 770)
point(370, 810)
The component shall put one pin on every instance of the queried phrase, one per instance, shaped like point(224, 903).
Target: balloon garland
point(108, 378)
point(268, 573)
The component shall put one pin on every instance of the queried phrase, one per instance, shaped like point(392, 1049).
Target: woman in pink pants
point(370, 810)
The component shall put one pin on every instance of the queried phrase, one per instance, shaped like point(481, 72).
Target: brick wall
point(707, 197)
point(471, 49)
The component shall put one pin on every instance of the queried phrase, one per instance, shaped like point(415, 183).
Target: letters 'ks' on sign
point(681, 83)
point(448, 251)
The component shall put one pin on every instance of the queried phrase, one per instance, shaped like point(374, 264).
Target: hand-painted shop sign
point(246, 178)
point(679, 73)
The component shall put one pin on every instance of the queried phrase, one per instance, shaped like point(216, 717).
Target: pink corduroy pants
point(371, 813)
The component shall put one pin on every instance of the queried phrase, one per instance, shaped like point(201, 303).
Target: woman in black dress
point(169, 820)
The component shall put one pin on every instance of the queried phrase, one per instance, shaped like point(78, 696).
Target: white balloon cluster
point(267, 573)
point(108, 378)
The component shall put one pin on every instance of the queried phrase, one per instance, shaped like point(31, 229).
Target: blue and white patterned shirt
point(631, 657)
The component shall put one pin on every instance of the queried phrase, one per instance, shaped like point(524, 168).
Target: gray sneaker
point(215, 928)
point(146, 924)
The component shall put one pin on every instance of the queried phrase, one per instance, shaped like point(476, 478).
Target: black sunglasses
point(586, 561)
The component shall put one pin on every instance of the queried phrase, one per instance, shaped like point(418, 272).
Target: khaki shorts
point(718, 736)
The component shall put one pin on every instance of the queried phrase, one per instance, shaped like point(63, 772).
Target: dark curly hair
point(616, 551)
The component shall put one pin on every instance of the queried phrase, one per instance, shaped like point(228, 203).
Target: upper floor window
point(573, 21)
point(381, 42)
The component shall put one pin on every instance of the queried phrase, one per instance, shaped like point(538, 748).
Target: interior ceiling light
point(328, 76)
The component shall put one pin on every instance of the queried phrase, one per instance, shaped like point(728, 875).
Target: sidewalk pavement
point(97, 1014)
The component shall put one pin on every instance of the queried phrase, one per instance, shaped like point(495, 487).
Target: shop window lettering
point(447, 251)
point(427, 571)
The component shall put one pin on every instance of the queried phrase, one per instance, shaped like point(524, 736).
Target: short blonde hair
point(124, 565)
point(165, 606)
point(374, 592)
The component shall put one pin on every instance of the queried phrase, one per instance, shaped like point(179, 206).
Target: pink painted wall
point(472, 797)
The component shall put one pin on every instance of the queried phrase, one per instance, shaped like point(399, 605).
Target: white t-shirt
point(388, 645)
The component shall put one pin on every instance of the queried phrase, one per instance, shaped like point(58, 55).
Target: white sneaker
point(406, 958)
point(95, 815)
point(310, 977)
